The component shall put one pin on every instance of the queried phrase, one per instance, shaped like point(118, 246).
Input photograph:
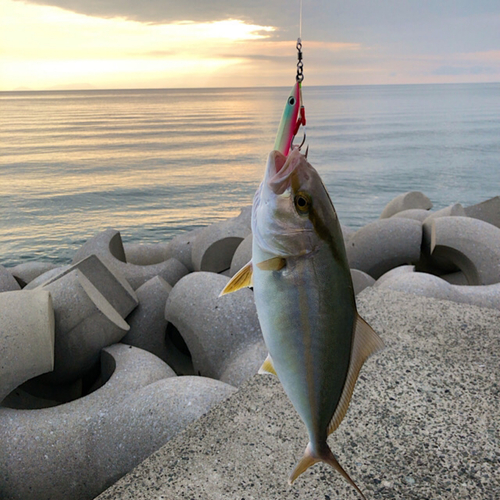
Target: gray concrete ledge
point(424, 422)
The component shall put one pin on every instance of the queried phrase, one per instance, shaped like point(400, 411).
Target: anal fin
point(267, 367)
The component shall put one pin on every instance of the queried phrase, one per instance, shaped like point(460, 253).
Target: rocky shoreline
point(108, 359)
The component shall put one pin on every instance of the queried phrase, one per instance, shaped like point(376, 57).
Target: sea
point(155, 163)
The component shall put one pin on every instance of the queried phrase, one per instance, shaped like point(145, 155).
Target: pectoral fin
point(242, 279)
point(365, 343)
point(267, 367)
point(274, 264)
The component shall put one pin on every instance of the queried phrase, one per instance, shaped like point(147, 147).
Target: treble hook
point(292, 146)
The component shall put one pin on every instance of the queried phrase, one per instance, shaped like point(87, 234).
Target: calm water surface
point(153, 163)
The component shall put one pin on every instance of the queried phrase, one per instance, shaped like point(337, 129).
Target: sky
point(104, 44)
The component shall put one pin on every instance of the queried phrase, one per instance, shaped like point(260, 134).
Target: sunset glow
point(45, 47)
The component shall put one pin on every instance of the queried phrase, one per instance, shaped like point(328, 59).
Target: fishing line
point(300, 21)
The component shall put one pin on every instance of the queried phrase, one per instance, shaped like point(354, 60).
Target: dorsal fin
point(365, 343)
point(267, 367)
point(242, 279)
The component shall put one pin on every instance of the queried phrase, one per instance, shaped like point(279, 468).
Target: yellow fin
point(241, 279)
point(274, 264)
point(325, 456)
point(267, 367)
point(365, 343)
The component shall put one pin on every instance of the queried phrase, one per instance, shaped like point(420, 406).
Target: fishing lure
point(294, 115)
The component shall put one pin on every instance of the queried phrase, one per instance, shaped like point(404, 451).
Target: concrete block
point(216, 330)
point(457, 278)
point(347, 232)
point(384, 244)
point(108, 246)
point(85, 322)
point(421, 423)
point(428, 285)
point(397, 271)
point(413, 213)
point(26, 337)
point(147, 322)
point(455, 210)
point(70, 451)
point(28, 271)
point(360, 280)
point(110, 283)
point(242, 255)
point(181, 247)
point(473, 246)
point(45, 277)
point(84, 446)
point(406, 201)
point(215, 246)
point(7, 281)
point(145, 255)
point(487, 211)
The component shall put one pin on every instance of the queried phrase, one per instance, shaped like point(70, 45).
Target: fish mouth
point(281, 168)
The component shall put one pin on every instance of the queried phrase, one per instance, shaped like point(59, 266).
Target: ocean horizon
point(153, 163)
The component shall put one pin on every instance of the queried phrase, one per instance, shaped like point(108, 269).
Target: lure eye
point(302, 203)
point(291, 101)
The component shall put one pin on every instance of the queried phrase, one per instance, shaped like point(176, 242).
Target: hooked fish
point(303, 292)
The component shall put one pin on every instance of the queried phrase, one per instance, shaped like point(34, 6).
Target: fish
point(305, 301)
point(292, 117)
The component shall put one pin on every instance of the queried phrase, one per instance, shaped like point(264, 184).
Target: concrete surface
point(423, 423)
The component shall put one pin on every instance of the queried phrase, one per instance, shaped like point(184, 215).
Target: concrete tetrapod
point(85, 322)
point(222, 333)
point(147, 322)
point(455, 210)
point(28, 271)
point(7, 281)
point(108, 246)
point(384, 244)
point(397, 271)
point(26, 337)
point(242, 256)
point(214, 247)
point(487, 211)
point(181, 247)
point(110, 283)
point(78, 449)
point(145, 255)
point(432, 286)
point(470, 244)
point(45, 277)
point(361, 280)
point(419, 214)
point(406, 201)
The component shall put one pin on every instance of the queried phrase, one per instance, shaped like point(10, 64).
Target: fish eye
point(302, 203)
point(291, 101)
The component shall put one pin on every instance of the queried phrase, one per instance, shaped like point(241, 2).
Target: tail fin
point(325, 456)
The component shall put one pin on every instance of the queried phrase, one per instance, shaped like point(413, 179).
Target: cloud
point(175, 11)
